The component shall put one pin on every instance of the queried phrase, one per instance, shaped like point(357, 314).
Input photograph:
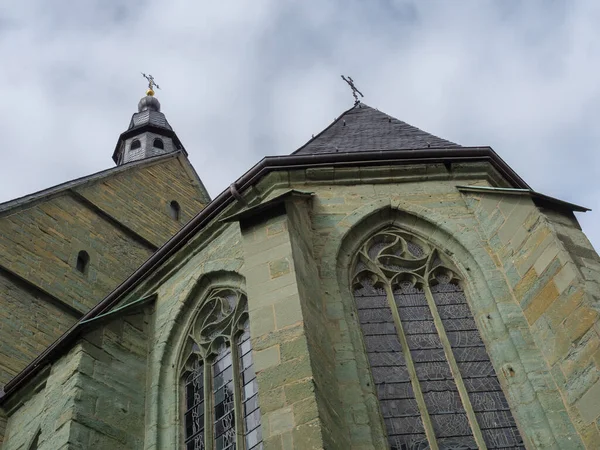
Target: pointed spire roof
point(363, 128)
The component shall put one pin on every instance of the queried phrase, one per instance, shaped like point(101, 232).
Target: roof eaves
point(168, 132)
point(248, 213)
point(536, 196)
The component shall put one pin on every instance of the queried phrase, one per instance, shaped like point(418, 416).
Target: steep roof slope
point(363, 128)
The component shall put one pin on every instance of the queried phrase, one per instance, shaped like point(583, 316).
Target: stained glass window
point(194, 400)
point(219, 372)
point(251, 413)
point(223, 392)
point(432, 373)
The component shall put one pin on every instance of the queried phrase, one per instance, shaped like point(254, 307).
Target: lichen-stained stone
point(118, 219)
point(528, 274)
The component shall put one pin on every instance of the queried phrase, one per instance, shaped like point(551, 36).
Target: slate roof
point(149, 117)
point(363, 128)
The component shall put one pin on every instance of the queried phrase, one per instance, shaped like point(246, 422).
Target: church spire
point(149, 134)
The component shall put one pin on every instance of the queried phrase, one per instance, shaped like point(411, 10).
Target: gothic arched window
point(220, 397)
point(431, 370)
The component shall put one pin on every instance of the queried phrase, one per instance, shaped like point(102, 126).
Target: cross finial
point(151, 84)
point(350, 82)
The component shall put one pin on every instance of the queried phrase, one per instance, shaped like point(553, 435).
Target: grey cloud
point(244, 79)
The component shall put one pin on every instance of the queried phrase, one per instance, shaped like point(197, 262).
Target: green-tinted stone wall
point(553, 271)
point(20, 344)
point(213, 259)
point(119, 220)
point(528, 275)
point(94, 397)
point(40, 242)
point(140, 199)
point(320, 348)
point(280, 338)
point(41, 245)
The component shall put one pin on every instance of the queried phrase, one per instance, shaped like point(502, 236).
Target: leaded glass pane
point(251, 413)
point(397, 400)
point(487, 399)
point(194, 405)
point(423, 292)
point(445, 408)
point(223, 391)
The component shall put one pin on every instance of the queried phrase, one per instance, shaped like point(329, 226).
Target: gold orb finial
point(150, 92)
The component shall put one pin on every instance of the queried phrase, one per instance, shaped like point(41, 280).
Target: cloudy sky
point(244, 79)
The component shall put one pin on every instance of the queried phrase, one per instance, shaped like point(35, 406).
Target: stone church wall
point(41, 244)
point(93, 397)
point(19, 345)
point(294, 360)
point(529, 279)
point(554, 274)
point(41, 292)
point(140, 199)
point(435, 210)
point(214, 258)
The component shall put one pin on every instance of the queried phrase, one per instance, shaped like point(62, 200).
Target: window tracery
point(220, 391)
point(433, 377)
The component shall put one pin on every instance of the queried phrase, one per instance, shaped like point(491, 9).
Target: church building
point(378, 288)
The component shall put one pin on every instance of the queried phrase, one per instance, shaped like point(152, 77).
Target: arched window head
point(135, 144)
point(83, 261)
point(158, 143)
point(174, 210)
point(218, 371)
point(430, 368)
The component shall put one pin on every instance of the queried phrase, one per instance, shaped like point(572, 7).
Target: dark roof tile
point(363, 128)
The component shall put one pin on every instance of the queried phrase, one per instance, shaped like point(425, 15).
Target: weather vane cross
point(151, 83)
point(350, 82)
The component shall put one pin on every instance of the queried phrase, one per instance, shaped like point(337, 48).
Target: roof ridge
point(57, 188)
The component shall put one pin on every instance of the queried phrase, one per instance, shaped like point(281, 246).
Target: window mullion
point(412, 372)
point(462, 390)
point(208, 405)
point(238, 405)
